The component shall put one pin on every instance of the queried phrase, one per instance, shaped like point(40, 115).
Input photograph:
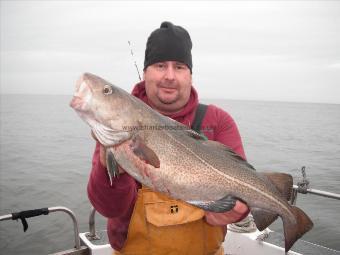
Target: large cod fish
point(170, 158)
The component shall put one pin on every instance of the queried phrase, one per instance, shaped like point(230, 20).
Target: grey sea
point(46, 155)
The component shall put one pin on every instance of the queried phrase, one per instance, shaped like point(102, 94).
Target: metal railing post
point(74, 220)
point(92, 225)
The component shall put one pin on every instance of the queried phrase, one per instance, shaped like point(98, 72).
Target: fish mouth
point(82, 94)
point(76, 102)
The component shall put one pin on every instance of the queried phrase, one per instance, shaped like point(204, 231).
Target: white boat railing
point(92, 235)
point(318, 192)
point(23, 215)
point(303, 188)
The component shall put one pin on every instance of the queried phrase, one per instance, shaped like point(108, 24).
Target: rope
point(247, 225)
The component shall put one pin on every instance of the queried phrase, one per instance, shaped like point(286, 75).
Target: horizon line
point(201, 99)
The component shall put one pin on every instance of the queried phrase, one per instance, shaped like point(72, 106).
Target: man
point(144, 222)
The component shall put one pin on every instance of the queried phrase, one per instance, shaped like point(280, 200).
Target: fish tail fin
point(284, 184)
point(282, 181)
point(294, 230)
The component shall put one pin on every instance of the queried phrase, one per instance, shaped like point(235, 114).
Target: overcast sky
point(260, 50)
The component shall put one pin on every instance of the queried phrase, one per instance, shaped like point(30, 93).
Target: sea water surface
point(46, 155)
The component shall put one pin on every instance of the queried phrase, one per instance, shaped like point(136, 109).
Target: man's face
point(168, 85)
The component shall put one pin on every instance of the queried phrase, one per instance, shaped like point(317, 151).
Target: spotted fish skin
point(167, 157)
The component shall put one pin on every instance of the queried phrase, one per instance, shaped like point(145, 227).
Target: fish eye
point(107, 90)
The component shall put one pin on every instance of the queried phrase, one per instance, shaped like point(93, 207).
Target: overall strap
point(200, 113)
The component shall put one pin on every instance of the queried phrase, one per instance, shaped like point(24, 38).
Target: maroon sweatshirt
point(116, 202)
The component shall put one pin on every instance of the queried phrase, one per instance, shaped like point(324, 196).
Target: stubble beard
point(168, 101)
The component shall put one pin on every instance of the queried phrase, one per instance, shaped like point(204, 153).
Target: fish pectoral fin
point(141, 150)
point(111, 165)
point(294, 230)
point(282, 181)
point(263, 218)
point(222, 205)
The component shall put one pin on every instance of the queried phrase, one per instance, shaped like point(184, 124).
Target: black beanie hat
point(168, 43)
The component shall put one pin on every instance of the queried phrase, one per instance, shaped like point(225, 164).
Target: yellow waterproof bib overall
point(163, 226)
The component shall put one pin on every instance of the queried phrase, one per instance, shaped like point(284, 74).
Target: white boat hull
point(235, 243)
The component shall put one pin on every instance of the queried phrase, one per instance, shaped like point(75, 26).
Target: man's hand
point(234, 215)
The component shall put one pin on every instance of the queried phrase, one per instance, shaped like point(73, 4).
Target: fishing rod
point(134, 61)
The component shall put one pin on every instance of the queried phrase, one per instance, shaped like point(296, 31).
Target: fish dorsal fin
point(195, 135)
point(190, 132)
point(282, 181)
point(228, 152)
point(141, 150)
